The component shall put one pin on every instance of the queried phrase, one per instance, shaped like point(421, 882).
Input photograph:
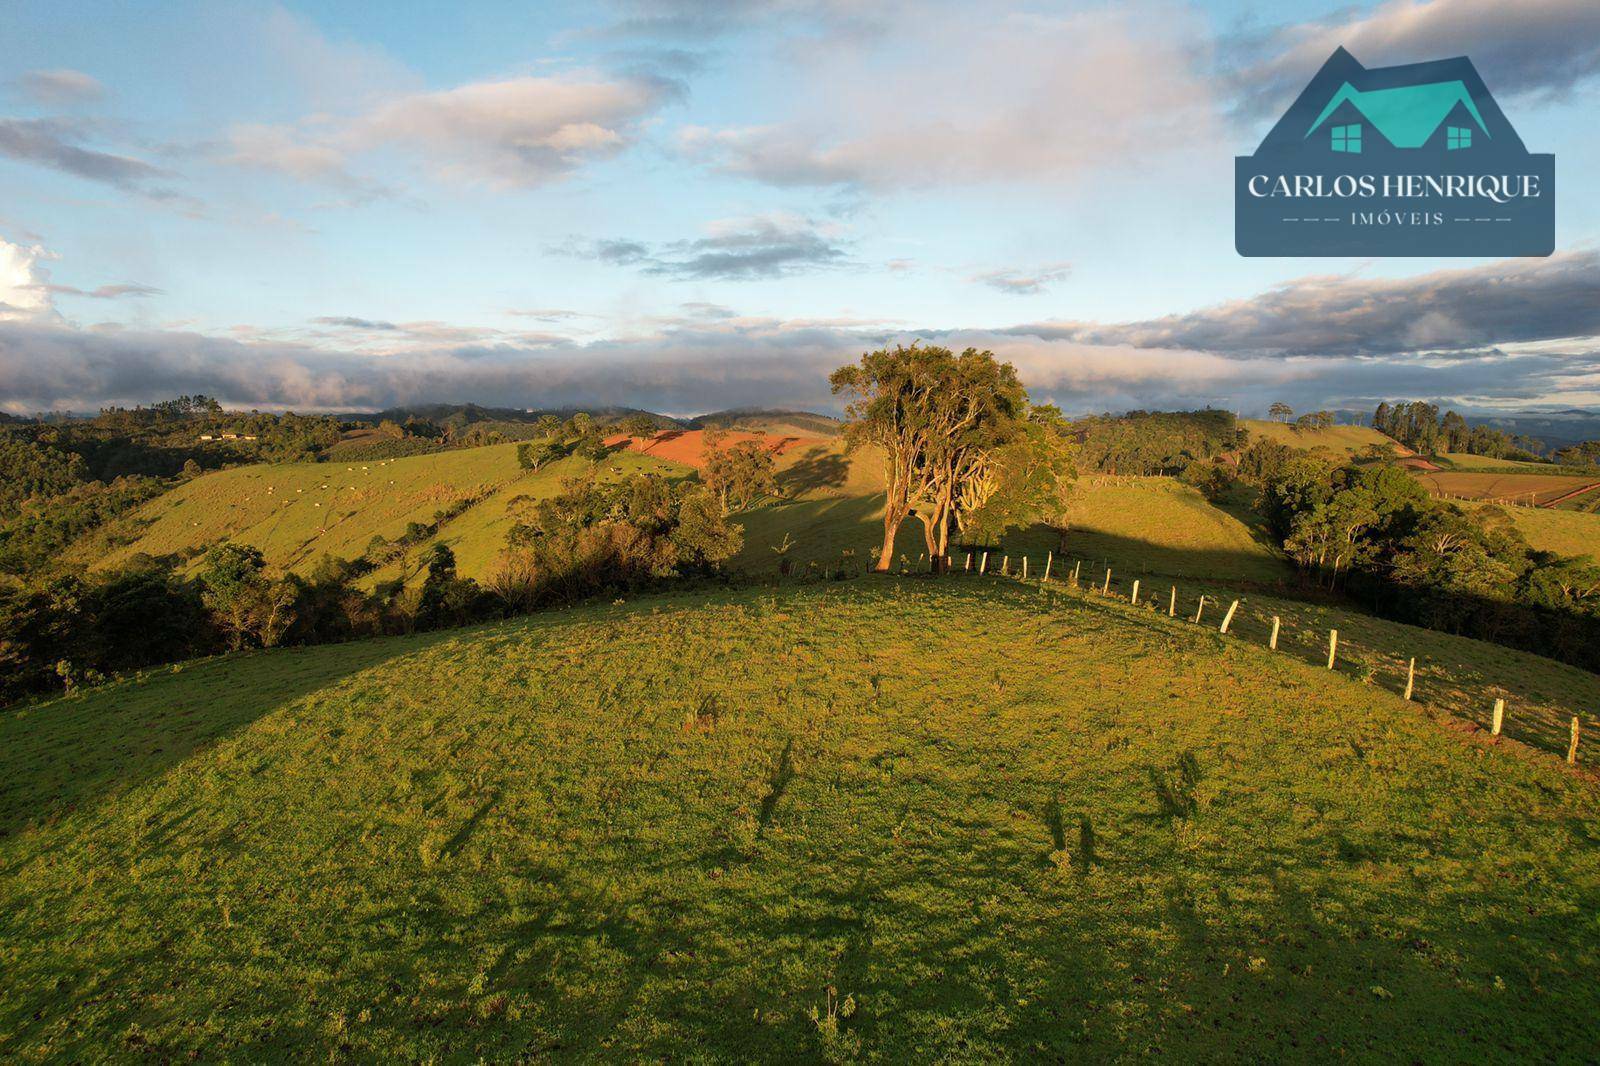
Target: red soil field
point(687, 446)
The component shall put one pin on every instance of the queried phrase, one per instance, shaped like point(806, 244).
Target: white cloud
point(24, 284)
point(972, 96)
point(514, 133)
point(1019, 282)
point(58, 87)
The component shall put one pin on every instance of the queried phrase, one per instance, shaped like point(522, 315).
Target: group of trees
point(962, 446)
point(1418, 425)
point(1376, 532)
point(1282, 412)
point(1146, 443)
point(599, 535)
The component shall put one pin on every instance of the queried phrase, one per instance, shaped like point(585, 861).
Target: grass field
point(1512, 486)
point(887, 818)
point(1558, 530)
point(297, 512)
point(1467, 461)
point(1345, 440)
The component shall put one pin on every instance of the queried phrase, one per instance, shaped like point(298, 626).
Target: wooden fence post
point(1499, 717)
point(1273, 643)
point(1333, 646)
point(1227, 618)
point(968, 567)
point(1198, 611)
point(1572, 748)
point(1049, 557)
point(1077, 566)
point(1024, 568)
point(1411, 676)
point(983, 564)
point(1172, 603)
point(1005, 564)
point(1133, 598)
point(1107, 590)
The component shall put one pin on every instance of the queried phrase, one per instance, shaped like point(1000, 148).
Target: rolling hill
point(297, 512)
point(1344, 440)
point(909, 818)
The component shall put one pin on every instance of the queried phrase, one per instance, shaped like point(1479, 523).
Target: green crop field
point(1345, 440)
point(295, 513)
point(907, 818)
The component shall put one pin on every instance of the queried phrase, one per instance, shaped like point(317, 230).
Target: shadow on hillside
point(67, 754)
point(818, 469)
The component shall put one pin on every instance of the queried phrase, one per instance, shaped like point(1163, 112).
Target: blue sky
point(687, 206)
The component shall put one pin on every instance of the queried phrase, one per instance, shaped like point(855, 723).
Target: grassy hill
point(1156, 523)
point(886, 818)
point(297, 512)
point(1345, 440)
point(1556, 530)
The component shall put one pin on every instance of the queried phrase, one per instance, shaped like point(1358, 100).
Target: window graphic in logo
point(1409, 160)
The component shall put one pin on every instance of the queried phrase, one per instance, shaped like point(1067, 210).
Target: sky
point(689, 206)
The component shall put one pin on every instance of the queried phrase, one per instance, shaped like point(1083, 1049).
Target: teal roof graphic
point(1350, 110)
point(1407, 115)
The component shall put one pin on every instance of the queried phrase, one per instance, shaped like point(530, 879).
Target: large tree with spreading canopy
point(945, 423)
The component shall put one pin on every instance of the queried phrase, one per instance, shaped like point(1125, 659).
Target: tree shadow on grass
point(65, 754)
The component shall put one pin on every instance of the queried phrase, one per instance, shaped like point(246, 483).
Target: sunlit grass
point(999, 822)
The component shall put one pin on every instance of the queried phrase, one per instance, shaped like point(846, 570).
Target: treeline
point(73, 630)
point(1374, 531)
point(1155, 442)
point(1419, 426)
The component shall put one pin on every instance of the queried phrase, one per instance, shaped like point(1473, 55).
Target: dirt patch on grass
point(688, 446)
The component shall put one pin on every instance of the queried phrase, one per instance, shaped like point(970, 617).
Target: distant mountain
point(467, 414)
point(1554, 429)
point(799, 423)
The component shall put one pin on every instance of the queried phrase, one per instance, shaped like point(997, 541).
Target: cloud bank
point(1499, 334)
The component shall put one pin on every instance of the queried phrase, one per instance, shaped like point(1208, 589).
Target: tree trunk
point(891, 526)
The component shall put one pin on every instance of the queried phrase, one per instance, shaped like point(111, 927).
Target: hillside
point(791, 423)
point(1345, 440)
point(1048, 827)
point(297, 512)
point(1555, 530)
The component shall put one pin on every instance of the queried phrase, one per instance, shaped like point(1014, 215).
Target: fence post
point(1049, 557)
point(1005, 564)
point(1024, 568)
point(1499, 717)
point(1572, 748)
point(1198, 611)
point(983, 564)
point(1172, 603)
point(968, 567)
point(1227, 618)
point(1077, 566)
point(1333, 646)
point(1273, 643)
point(1107, 590)
point(1411, 676)
point(1133, 598)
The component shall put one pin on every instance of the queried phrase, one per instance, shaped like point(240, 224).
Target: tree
point(639, 427)
point(246, 604)
point(935, 415)
point(740, 476)
point(1281, 411)
point(535, 454)
point(1383, 418)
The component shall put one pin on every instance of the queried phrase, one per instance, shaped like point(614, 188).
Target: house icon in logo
point(1405, 160)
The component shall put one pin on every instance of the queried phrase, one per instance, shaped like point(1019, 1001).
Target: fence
point(1103, 589)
